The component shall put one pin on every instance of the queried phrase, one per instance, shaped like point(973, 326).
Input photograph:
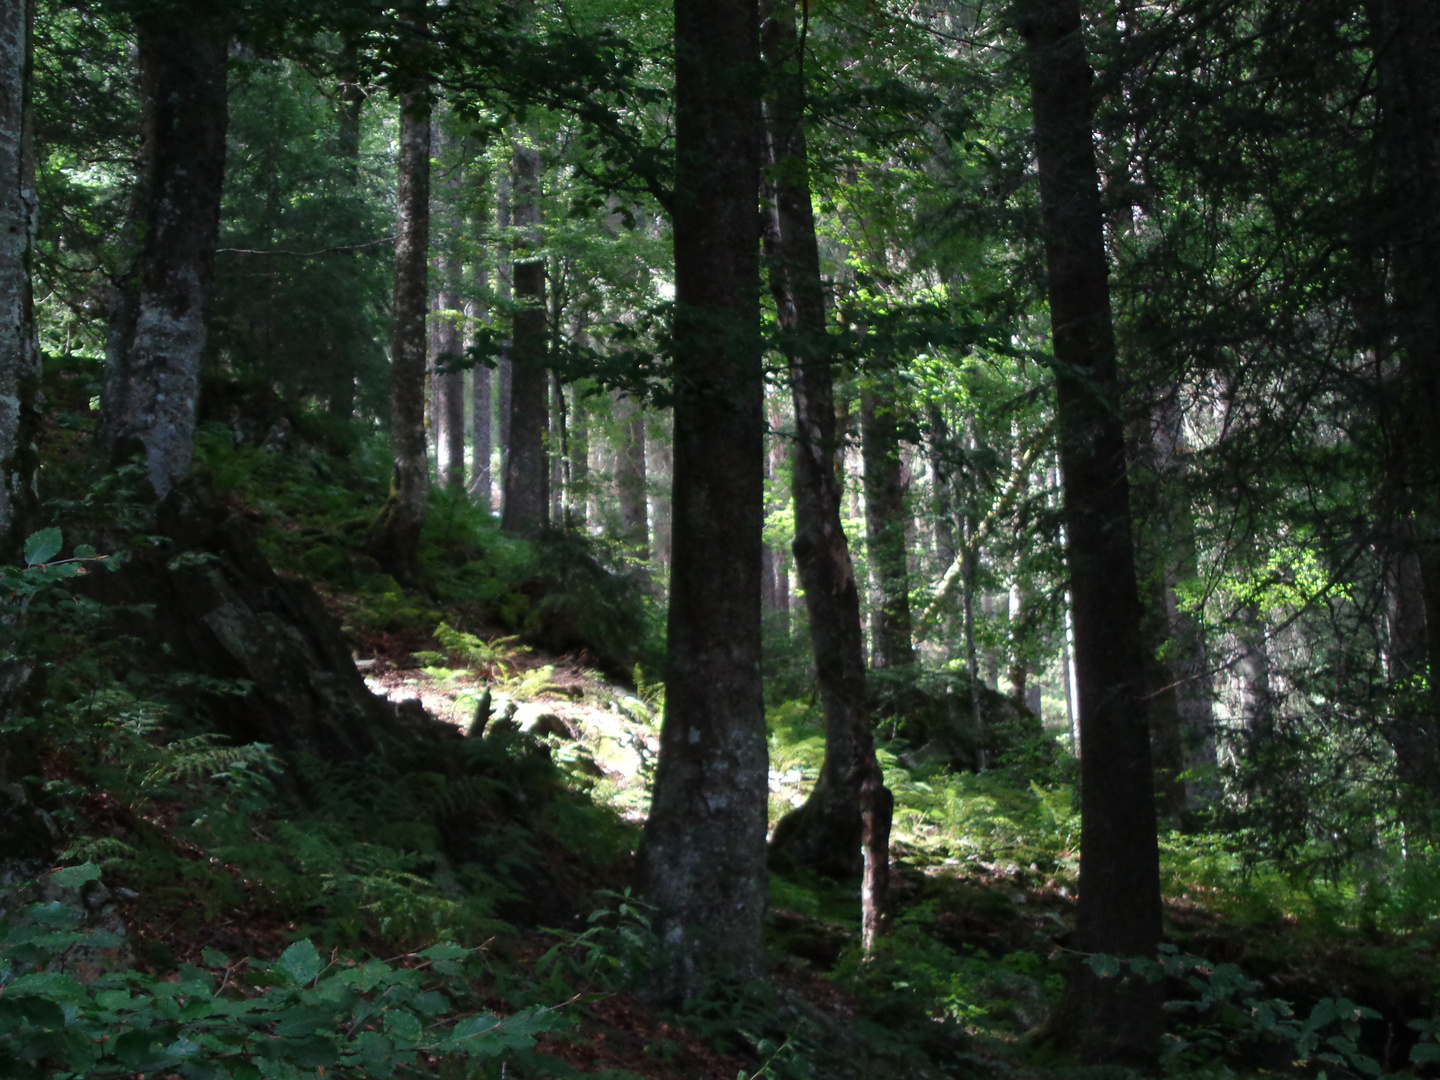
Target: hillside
point(228, 903)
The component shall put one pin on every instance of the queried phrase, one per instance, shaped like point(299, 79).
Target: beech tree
point(703, 853)
point(157, 336)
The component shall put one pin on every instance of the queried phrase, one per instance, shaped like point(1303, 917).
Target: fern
point(532, 683)
point(495, 658)
point(201, 757)
point(106, 851)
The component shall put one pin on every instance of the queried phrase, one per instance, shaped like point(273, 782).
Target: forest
point(790, 539)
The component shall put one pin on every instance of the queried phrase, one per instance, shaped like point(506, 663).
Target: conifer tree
point(1105, 1019)
point(19, 349)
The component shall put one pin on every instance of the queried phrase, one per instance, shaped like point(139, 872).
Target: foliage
point(1227, 1011)
point(245, 1019)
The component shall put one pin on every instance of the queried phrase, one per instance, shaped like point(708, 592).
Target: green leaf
point(85, 551)
point(300, 962)
point(49, 984)
point(446, 950)
point(1107, 967)
point(402, 1026)
point(312, 1051)
point(476, 1025)
point(215, 958)
point(72, 877)
point(430, 1003)
point(1425, 1053)
point(43, 546)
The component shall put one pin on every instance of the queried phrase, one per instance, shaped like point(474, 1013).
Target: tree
point(446, 336)
point(395, 536)
point(157, 337)
point(19, 347)
point(526, 466)
point(703, 853)
point(829, 832)
point(1407, 50)
point(885, 520)
point(1119, 912)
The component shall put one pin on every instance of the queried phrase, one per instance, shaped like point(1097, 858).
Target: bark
point(152, 377)
point(843, 826)
point(505, 292)
point(942, 493)
point(630, 475)
point(885, 529)
point(703, 853)
point(576, 512)
point(395, 536)
point(1407, 51)
point(560, 452)
point(1185, 692)
point(526, 467)
point(481, 410)
point(1252, 678)
point(351, 95)
point(1112, 1020)
point(19, 348)
point(446, 345)
point(658, 478)
point(776, 569)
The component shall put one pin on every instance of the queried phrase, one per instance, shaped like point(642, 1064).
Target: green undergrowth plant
point(985, 817)
point(1223, 1022)
point(301, 1015)
point(915, 977)
point(618, 949)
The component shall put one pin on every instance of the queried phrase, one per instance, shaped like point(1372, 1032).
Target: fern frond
point(200, 758)
point(105, 850)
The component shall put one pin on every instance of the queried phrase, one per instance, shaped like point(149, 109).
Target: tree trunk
point(446, 346)
point(576, 515)
point(395, 536)
point(341, 403)
point(1407, 58)
point(703, 855)
point(849, 805)
point(19, 348)
point(559, 445)
point(885, 529)
point(630, 475)
point(658, 469)
point(525, 464)
point(152, 376)
point(1112, 1020)
point(505, 293)
point(480, 396)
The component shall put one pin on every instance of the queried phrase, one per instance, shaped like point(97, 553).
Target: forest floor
point(517, 841)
